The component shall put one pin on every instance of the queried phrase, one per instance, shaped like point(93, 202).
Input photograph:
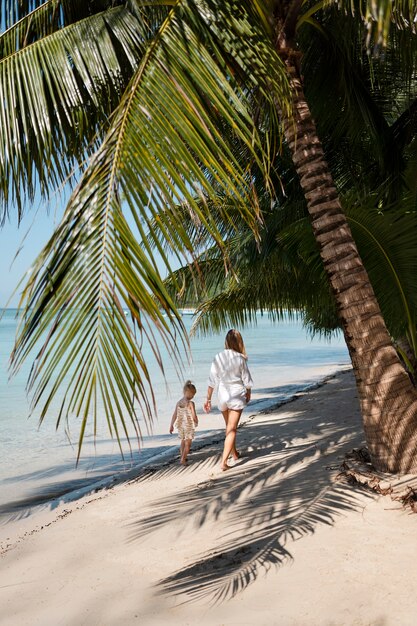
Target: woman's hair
point(189, 386)
point(234, 342)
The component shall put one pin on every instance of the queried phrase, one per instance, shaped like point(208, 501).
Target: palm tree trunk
point(387, 397)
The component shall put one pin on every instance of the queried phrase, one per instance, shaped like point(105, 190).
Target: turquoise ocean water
point(38, 464)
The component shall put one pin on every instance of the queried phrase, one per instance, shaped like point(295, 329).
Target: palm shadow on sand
point(283, 492)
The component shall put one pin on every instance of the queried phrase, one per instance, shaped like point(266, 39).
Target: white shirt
point(230, 368)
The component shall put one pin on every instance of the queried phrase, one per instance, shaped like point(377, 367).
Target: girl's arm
point(193, 413)
point(174, 417)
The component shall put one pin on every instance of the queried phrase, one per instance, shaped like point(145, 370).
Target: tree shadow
point(284, 490)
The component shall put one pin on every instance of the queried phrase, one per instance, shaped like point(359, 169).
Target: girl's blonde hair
point(189, 386)
point(234, 342)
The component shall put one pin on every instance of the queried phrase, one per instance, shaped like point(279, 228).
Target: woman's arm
point(247, 380)
point(212, 381)
point(214, 374)
point(207, 404)
point(245, 374)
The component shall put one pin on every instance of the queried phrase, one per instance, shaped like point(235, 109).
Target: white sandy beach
point(279, 539)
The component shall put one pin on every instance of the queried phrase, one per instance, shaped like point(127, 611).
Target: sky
point(37, 225)
point(27, 240)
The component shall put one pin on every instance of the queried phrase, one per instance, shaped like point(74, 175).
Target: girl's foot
point(183, 461)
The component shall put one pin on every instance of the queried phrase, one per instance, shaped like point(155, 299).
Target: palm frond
point(356, 100)
point(379, 16)
point(293, 277)
point(56, 94)
point(35, 20)
point(14, 11)
point(163, 148)
point(11, 11)
point(387, 242)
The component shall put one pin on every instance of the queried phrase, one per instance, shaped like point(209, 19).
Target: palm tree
point(388, 400)
point(195, 69)
point(293, 276)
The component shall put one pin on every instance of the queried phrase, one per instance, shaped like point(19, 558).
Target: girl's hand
point(196, 422)
point(207, 406)
point(171, 429)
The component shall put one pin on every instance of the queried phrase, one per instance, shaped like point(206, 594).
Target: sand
point(280, 539)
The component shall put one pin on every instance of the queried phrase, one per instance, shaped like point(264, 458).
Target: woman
point(230, 373)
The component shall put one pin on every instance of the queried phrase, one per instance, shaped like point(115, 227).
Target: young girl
point(185, 419)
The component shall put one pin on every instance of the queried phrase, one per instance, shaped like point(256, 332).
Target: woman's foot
point(225, 466)
point(236, 455)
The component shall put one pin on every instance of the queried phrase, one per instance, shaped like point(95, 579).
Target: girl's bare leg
point(187, 446)
point(182, 449)
point(234, 452)
point(230, 439)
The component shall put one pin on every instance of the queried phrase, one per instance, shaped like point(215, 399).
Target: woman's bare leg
point(234, 452)
point(230, 439)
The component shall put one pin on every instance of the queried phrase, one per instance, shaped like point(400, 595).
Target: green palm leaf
point(294, 277)
point(380, 15)
point(57, 93)
point(388, 245)
point(186, 137)
point(163, 148)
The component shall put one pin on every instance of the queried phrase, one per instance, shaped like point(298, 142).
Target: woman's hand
point(247, 395)
point(207, 406)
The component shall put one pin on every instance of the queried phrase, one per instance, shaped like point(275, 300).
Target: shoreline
point(17, 511)
point(31, 520)
point(278, 539)
point(39, 464)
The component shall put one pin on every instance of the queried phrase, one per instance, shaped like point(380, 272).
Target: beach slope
point(279, 539)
